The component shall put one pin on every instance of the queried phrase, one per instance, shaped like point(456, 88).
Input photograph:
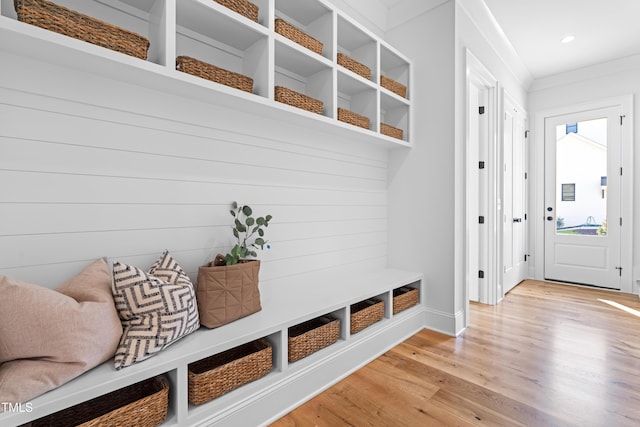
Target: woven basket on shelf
point(297, 99)
point(393, 86)
point(221, 373)
point(404, 298)
point(353, 65)
point(143, 404)
point(243, 7)
point(298, 36)
point(65, 21)
point(207, 71)
point(388, 130)
point(311, 336)
point(366, 313)
point(350, 117)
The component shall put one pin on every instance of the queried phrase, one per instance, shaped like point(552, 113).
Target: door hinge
point(480, 165)
point(481, 219)
point(526, 134)
point(620, 171)
point(481, 110)
point(480, 274)
point(620, 221)
point(525, 216)
point(525, 257)
point(526, 175)
point(619, 270)
point(622, 117)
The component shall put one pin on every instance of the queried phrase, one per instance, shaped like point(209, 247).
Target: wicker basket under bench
point(65, 21)
point(144, 404)
point(219, 374)
point(366, 313)
point(405, 297)
point(311, 336)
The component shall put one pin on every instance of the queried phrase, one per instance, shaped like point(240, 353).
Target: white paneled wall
point(92, 167)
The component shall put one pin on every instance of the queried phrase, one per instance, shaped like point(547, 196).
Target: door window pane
point(581, 165)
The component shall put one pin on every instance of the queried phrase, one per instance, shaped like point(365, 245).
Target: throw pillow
point(48, 337)
point(156, 308)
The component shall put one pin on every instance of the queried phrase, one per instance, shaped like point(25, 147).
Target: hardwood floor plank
point(547, 355)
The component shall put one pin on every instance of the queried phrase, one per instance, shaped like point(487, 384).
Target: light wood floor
point(547, 355)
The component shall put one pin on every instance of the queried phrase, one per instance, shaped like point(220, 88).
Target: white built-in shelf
point(212, 33)
point(285, 303)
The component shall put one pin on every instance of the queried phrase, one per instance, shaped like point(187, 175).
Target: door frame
point(537, 212)
point(476, 72)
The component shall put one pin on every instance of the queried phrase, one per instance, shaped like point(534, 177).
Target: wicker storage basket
point(221, 373)
point(143, 404)
point(298, 36)
point(207, 71)
point(404, 298)
point(353, 118)
point(311, 336)
point(353, 65)
point(393, 86)
point(243, 7)
point(388, 130)
point(297, 99)
point(366, 313)
point(82, 27)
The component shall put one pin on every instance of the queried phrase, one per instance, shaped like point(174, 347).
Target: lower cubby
point(308, 337)
point(221, 373)
point(144, 404)
point(243, 370)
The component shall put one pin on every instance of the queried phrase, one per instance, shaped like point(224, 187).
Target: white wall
point(421, 182)
point(614, 79)
point(93, 167)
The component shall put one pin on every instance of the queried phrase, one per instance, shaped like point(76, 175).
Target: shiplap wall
point(93, 167)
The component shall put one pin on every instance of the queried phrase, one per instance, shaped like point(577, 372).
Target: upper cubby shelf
point(322, 54)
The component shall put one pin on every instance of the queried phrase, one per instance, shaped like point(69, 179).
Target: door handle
point(517, 219)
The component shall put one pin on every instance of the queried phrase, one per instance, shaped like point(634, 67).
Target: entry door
point(514, 197)
point(582, 197)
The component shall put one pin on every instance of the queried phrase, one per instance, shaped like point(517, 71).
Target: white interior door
point(582, 197)
point(514, 196)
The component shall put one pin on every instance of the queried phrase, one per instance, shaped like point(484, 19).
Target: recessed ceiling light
point(568, 39)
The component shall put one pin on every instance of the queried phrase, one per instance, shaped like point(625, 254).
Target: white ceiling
point(604, 29)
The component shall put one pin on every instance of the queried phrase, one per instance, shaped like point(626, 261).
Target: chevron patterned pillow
point(156, 308)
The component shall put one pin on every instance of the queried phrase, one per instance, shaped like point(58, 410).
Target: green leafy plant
point(249, 232)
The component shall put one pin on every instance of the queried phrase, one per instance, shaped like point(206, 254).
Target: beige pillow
point(156, 308)
point(48, 337)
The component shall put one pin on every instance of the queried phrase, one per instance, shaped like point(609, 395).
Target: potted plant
point(227, 287)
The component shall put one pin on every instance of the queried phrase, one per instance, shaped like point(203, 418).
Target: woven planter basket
point(393, 86)
point(355, 66)
point(207, 71)
point(311, 336)
point(243, 7)
point(219, 374)
point(297, 99)
point(404, 298)
point(65, 21)
point(385, 129)
point(143, 404)
point(353, 118)
point(366, 313)
point(298, 36)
